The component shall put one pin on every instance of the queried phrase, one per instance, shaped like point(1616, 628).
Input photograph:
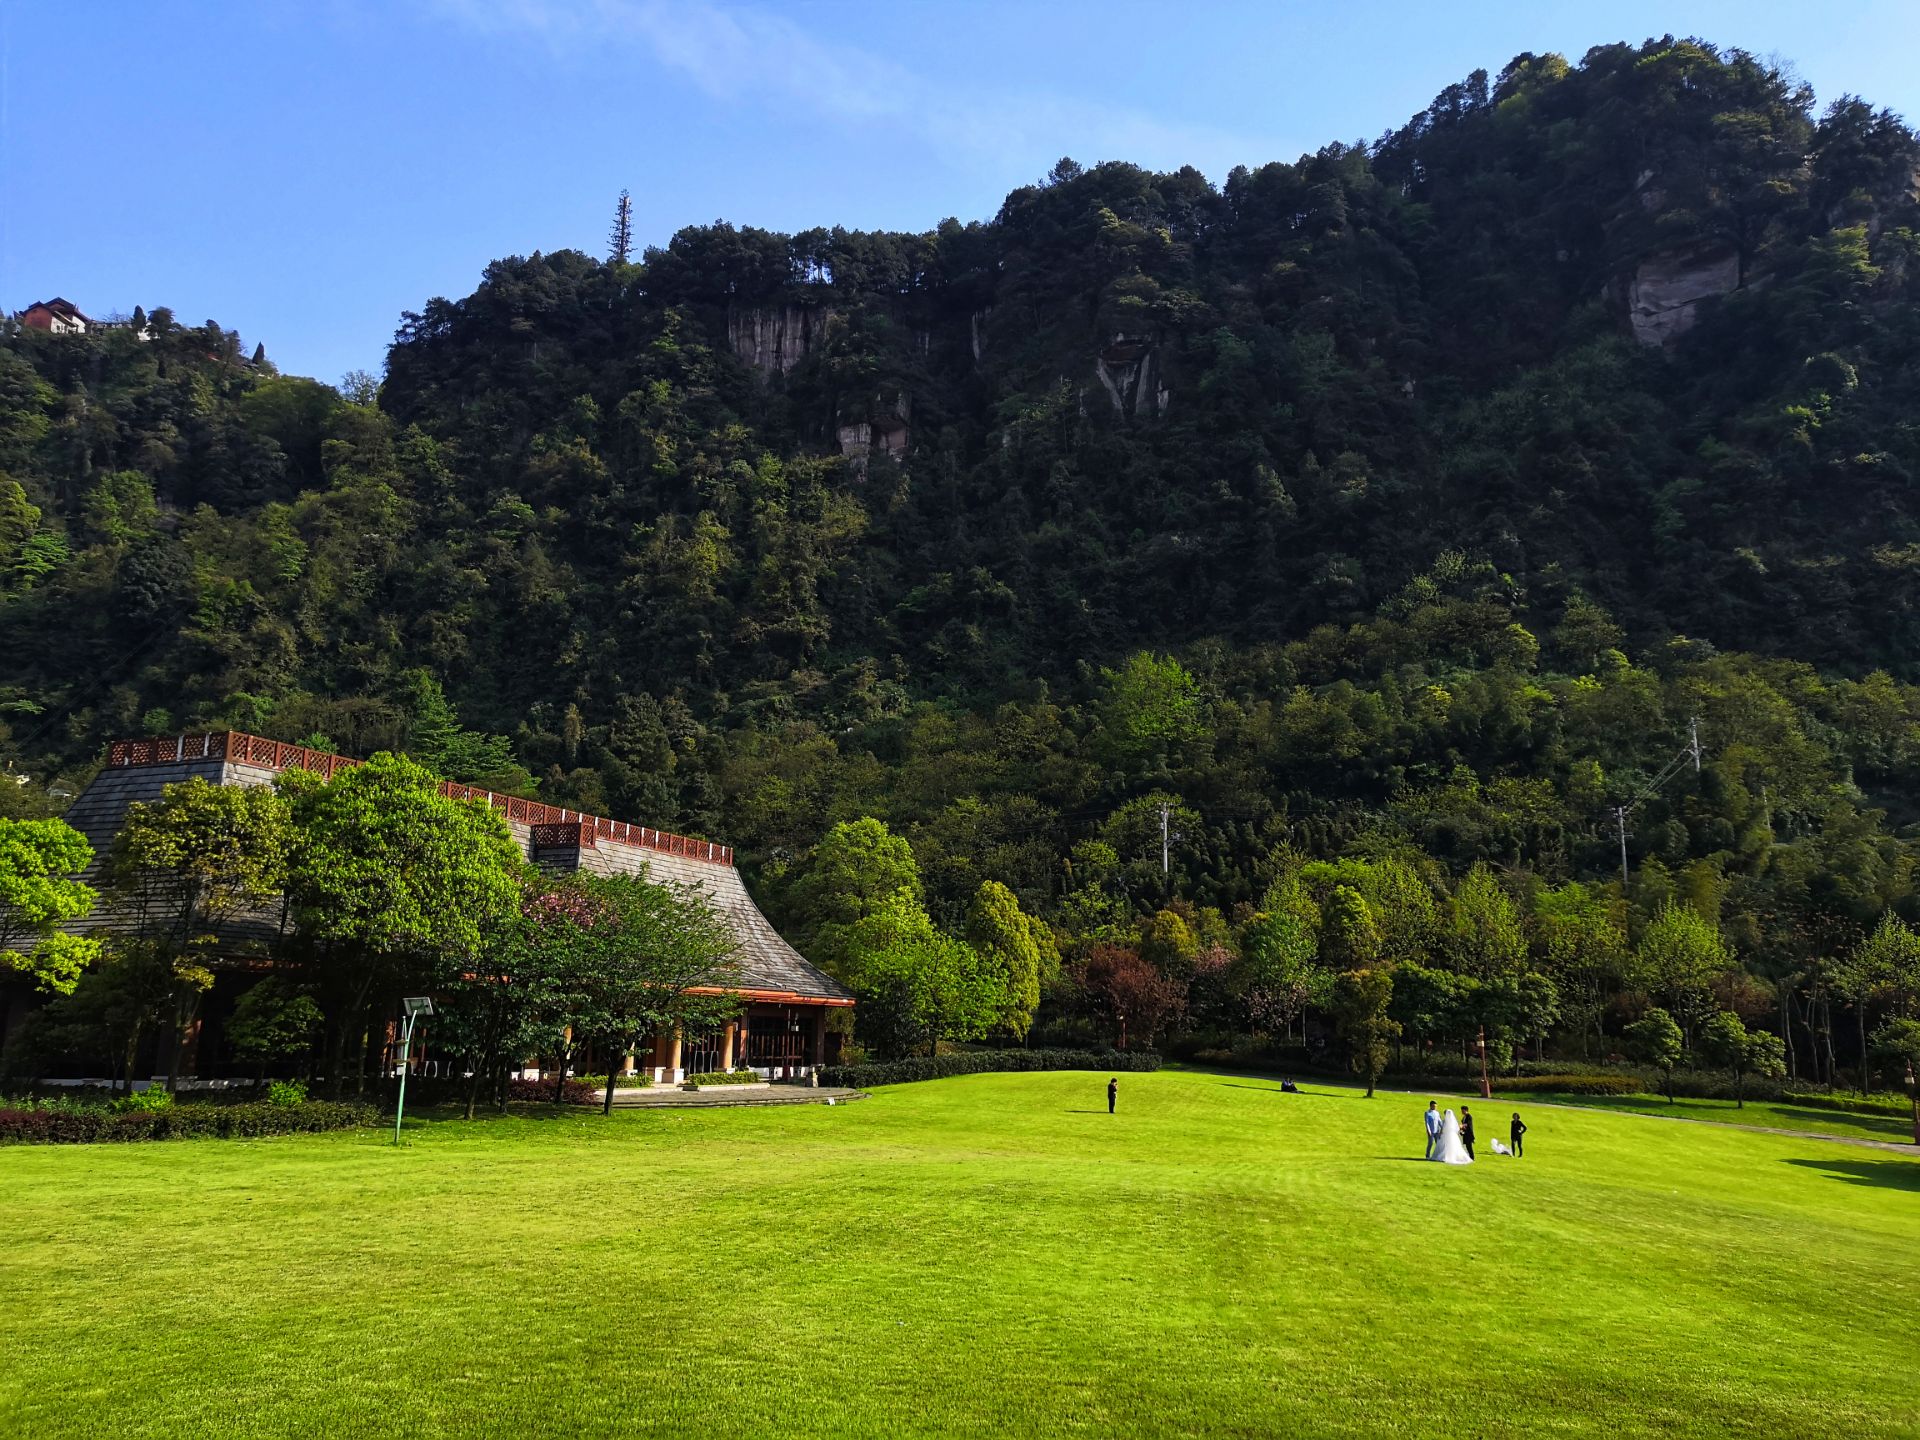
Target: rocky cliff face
point(882, 430)
point(1128, 368)
point(1667, 288)
point(775, 338)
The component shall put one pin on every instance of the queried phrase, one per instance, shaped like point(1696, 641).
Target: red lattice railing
point(571, 836)
point(552, 821)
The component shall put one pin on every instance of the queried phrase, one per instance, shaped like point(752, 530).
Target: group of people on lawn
point(1450, 1141)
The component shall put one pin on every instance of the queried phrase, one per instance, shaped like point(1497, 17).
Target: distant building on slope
point(781, 1029)
point(62, 317)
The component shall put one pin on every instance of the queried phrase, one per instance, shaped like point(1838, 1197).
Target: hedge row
point(1569, 1085)
point(1520, 1084)
point(977, 1062)
point(452, 1090)
point(76, 1124)
point(1850, 1104)
point(725, 1077)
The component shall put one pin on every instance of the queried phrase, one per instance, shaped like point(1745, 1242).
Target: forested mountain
point(1410, 497)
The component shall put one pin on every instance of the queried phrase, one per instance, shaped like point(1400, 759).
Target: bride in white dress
point(1448, 1150)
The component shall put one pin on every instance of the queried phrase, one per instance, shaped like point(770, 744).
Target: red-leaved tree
point(1128, 991)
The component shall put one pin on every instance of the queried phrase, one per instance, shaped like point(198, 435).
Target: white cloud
point(744, 55)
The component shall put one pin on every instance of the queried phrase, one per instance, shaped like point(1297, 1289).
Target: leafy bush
point(540, 1092)
point(976, 1062)
point(1437, 1062)
point(143, 1101)
point(633, 1082)
point(63, 1122)
point(1850, 1104)
point(452, 1090)
point(1615, 1084)
point(1717, 1085)
point(724, 1077)
point(286, 1092)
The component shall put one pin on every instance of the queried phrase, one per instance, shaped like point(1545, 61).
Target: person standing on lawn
point(1516, 1130)
point(1433, 1126)
point(1466, 1130)
point(1113, 1093)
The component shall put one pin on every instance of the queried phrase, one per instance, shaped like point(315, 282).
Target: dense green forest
point(1395, 508)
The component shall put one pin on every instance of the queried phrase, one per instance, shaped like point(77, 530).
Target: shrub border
point(82, 1125)
point(981, 1062)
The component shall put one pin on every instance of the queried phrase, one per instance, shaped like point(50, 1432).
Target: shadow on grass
point(1894, 1127)
point(1891, 1174)
point(1085, 1112)
point(1276, 1090)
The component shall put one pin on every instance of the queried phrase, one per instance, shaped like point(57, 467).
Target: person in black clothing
point(1466, 1130)
point(1113, 1093)
point(1516, 1130)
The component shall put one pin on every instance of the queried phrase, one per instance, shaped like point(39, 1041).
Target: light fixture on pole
point(415, 1007)
point(1914, 1092)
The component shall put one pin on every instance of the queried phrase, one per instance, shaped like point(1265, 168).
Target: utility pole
point(1166, 839)
point(1689, 751)
point(620, 240)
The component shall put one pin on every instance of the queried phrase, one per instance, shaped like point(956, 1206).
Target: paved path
point(672, 1097)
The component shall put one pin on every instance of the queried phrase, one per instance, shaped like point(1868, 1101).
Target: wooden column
point(726, 1047)
point(673, 1054)
point(817, 1037)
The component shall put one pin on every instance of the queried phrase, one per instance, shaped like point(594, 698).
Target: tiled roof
point(101, 810)
point(765, 964)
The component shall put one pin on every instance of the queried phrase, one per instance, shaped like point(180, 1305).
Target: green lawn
point(984, 1255)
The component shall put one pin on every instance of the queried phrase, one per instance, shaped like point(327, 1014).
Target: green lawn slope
point(987, 1255)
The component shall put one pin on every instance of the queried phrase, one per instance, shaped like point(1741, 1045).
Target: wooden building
point(781, 1029)
point(61, 317)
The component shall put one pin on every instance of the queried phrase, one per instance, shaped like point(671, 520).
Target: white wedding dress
point(1447, 1149)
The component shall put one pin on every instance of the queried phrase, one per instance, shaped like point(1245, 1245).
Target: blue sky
point(304, 170)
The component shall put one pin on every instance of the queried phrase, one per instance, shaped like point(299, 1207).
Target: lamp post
point(1486, 1084)
point(1913, 1094)
point(415, 1006)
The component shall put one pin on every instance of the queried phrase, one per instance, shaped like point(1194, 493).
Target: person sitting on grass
point(1287, 1087)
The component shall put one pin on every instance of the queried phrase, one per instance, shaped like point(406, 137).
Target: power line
point(1688, 751)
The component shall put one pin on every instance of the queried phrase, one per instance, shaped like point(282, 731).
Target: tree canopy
point(1394, 509)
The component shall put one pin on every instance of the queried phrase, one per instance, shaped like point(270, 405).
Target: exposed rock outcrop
point(1664, 296)
point(1128, 367)
point(882, 430)
point(775, 338)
